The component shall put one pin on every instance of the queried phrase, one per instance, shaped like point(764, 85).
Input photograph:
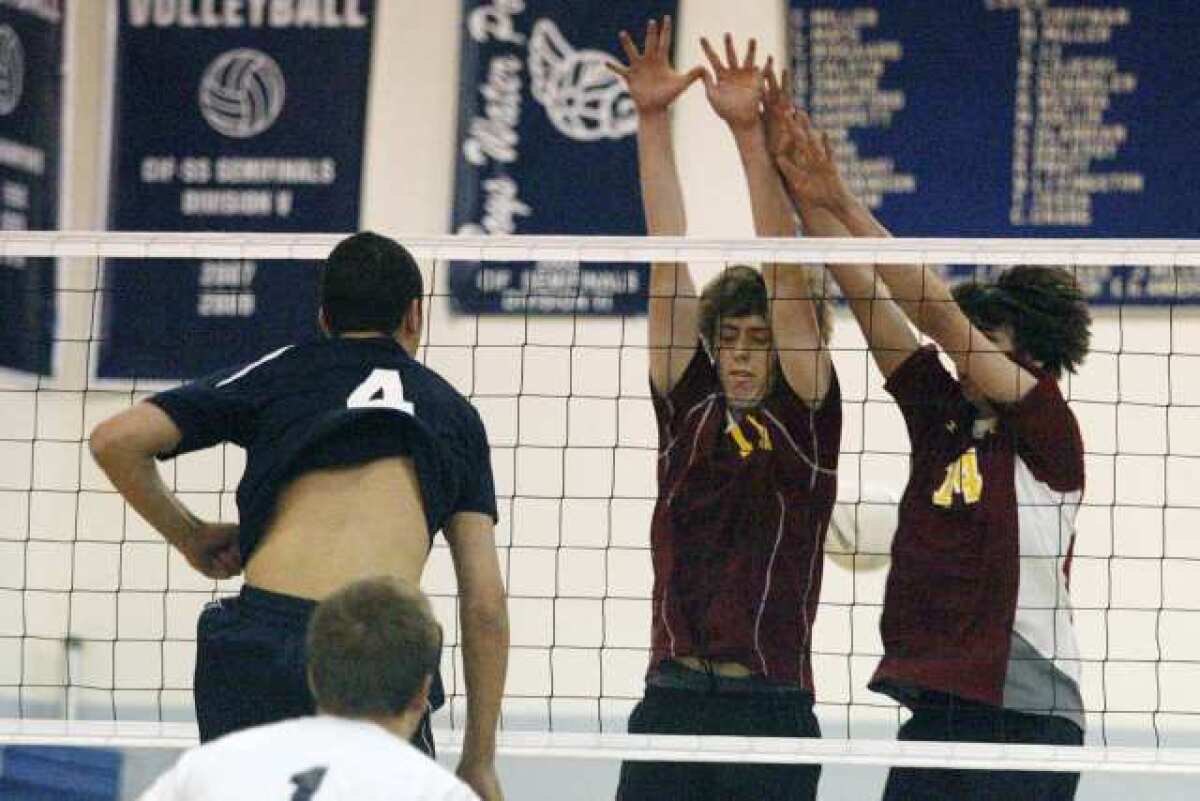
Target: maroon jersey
point(983, 542)
point(739, 528)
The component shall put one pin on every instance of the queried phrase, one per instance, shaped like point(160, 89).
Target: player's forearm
point(919, 290)
point(662, 194)
point(770, 206)
point(485, 662)
point(135, 475)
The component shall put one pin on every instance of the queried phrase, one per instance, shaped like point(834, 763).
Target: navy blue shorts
point(944, 718)
point(250, 665)
point(693, 703)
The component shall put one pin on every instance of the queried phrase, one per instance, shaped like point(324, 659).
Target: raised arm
point(483, 616)
point(931, 307)
point(735, 92)
point(815, 185)
point(673, 313)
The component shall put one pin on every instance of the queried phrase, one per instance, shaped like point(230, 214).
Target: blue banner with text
point(1015, 118)
point(546, 146)
point(226, 119)
point(31, 72)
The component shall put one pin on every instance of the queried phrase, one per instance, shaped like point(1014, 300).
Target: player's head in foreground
point(1038, 315)
point(373, 648)
point(735, 323)
point(371, 285)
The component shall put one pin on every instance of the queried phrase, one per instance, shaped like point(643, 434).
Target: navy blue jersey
point(334, 403)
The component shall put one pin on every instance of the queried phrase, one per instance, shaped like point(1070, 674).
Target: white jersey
point(320, 758)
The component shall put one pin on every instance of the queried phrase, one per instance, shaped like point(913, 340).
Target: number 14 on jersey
point(962, 478)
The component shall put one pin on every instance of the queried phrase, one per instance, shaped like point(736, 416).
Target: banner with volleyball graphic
point(31, 72)
point(229, 121)
point(546, 146)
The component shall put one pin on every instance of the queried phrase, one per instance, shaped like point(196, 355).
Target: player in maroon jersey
point(749, 418)
point(977, 631)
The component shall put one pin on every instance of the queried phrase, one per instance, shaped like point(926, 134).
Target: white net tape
point(580, 593)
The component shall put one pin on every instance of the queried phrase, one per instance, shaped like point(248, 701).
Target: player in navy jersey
point(749, 420)
point(373, 649)
point(356, 455)
point(977, 631)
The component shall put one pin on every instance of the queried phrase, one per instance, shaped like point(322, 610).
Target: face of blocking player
point(745, 359)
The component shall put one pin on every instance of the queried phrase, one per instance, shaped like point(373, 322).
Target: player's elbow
point(485, 610)
point(106, 441)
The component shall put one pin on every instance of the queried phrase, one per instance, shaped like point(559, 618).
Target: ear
point(414, 319)
point(420, 701)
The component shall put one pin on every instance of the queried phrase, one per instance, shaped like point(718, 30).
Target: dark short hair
point(371, 646)
point(740, 291)
point(367, 284)
point(1043, 307)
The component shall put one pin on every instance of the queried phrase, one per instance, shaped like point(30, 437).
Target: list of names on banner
point(838, 75)
point(1063, 126)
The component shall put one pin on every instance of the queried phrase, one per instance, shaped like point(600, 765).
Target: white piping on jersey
point(674, 438)
point(762, 603)
point(662, 608)
point(273, 354)
point(806, 639)
point(425, 724)
point(816, 449)
point(695, 445)
point(815, 467)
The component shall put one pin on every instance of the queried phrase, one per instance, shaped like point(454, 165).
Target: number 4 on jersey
point(382, 389)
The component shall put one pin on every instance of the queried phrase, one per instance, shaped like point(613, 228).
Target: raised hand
point(777, 108)
point(808, 166)
point(736, 91)
point(653, 83)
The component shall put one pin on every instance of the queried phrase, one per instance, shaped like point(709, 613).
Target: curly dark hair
point(740, 291)
point(1044, 309)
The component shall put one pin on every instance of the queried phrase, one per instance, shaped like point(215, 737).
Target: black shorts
point(250, 665)
point(944, 718)
point(721, 710)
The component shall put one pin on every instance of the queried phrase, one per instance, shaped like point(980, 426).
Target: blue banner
point(546, 145)
point(248, 119)
point(1015, 118)
point(31, 72)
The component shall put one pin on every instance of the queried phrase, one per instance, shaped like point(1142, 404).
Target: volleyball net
point(97, 613)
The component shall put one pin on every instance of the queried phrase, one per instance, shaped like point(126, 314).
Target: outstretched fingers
point(772, 85)
point(618, 69)
point(664, 38)
point(695, 74)
point(713, 59)
point(650, 47)
point(751, 54)
point(631, 51)
point(730, 52)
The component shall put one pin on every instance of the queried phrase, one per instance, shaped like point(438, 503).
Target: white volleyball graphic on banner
point(12, 70)
point(241, 93)
point(583, 99)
